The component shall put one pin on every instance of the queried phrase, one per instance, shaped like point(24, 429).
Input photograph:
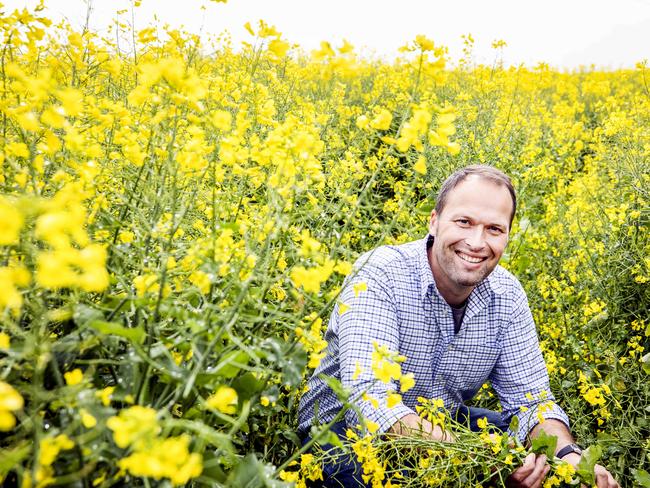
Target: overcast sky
point(563, 33)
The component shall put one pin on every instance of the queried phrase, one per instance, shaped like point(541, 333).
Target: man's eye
point(462, 222)
point(496, 230)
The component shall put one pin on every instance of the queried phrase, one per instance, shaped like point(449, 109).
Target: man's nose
point(475, 238)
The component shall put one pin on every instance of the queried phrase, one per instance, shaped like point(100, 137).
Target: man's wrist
point(571, 458)
point(569, 448)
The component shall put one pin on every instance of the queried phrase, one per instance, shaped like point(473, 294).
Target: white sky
point(563, 33)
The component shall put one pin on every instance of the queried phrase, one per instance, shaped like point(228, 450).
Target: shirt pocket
point(467, 367)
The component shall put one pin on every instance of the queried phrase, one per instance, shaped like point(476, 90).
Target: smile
point(468, 258)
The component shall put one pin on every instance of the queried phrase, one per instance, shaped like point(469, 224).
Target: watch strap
point(569, 449)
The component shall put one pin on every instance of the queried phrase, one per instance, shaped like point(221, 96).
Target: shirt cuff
point(529, 419)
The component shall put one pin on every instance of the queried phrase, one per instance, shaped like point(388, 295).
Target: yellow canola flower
point(372, 426)
point(10, 279)
point(290, 476)
point(73, 377)
point(311, 279)
point(165, 458)
point(310, 467)
point(382, 120)
point(11, 223)
point(420, 165)
point(105, 394)
point(407, 381)
point(359, 287)
point(224, 400)
point(201, 280)
point(393, 399)
point(87, 420)
point(279, 47)
point(50, 447)
point(424, 43)
point(385, 370)
point(565, 471)
point(10, 401)
point(71, 100)
point(221, 120)
point(5, 341)
point(73, 268)
point(134, 426)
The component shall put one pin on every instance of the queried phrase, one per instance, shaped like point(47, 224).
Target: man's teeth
point(469, 259)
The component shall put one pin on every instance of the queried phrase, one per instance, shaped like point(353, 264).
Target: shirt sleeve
point(370, 317)
point(520, 377)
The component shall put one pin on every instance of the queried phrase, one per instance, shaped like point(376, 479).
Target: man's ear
point(433, 220)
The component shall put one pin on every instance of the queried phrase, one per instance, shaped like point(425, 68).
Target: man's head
point(470, 224)
point(483, 171)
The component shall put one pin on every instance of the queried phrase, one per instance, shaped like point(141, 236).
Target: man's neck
point(455, 297)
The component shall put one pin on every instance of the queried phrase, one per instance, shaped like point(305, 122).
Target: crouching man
point(458, 318)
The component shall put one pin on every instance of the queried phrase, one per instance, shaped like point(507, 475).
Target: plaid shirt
point(401, 308)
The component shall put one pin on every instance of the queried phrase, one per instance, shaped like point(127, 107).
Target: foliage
point(177, 217)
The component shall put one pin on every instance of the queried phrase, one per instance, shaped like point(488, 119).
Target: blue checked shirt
point(402, 309)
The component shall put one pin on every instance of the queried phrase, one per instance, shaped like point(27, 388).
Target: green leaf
point(514, 424)
point(12, 457)
point(252, 473)
point(230, 364)
point(645, 360)
point(641, 477)
point(545, 444)
point(83, 314)
point(135, 334)
point(293, 368)
point(424, 208)
point(335, 385)
point(247, 386)
point(588, 460)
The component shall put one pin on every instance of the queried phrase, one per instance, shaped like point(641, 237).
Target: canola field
point(177, 217)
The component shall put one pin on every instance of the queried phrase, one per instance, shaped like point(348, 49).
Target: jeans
point(346, 472)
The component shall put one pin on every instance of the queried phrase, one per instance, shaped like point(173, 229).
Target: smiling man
point(458, 318)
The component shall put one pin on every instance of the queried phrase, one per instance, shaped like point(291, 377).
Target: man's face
point(471, 233)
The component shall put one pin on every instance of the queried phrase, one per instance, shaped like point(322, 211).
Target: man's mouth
point(468, 258)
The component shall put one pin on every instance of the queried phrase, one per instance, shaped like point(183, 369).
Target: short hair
point(482, 171)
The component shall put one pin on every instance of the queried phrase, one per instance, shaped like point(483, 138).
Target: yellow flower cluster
point(596, 396)
point(224, 400)
point(228, 192)
point(386, 364)
point(432, 409)
point(374, 470)
point(10, 401)
point(165, 458)
point(312, 339)
point(137, 428)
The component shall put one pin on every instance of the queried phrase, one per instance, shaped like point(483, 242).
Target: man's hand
point(412, 424)
point(603, 478)
point(531, 474)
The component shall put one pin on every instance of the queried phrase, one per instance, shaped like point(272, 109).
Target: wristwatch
point(569, 449)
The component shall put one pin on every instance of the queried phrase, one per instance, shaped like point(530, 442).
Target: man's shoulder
point(390, 258)
point(503, 282)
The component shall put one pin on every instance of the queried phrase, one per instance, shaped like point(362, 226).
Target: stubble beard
point(459, 277)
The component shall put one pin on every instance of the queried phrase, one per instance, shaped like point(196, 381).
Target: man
point(458, 318)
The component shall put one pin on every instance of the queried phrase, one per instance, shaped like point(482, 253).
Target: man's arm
point(370, 318)
point(521, 381)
